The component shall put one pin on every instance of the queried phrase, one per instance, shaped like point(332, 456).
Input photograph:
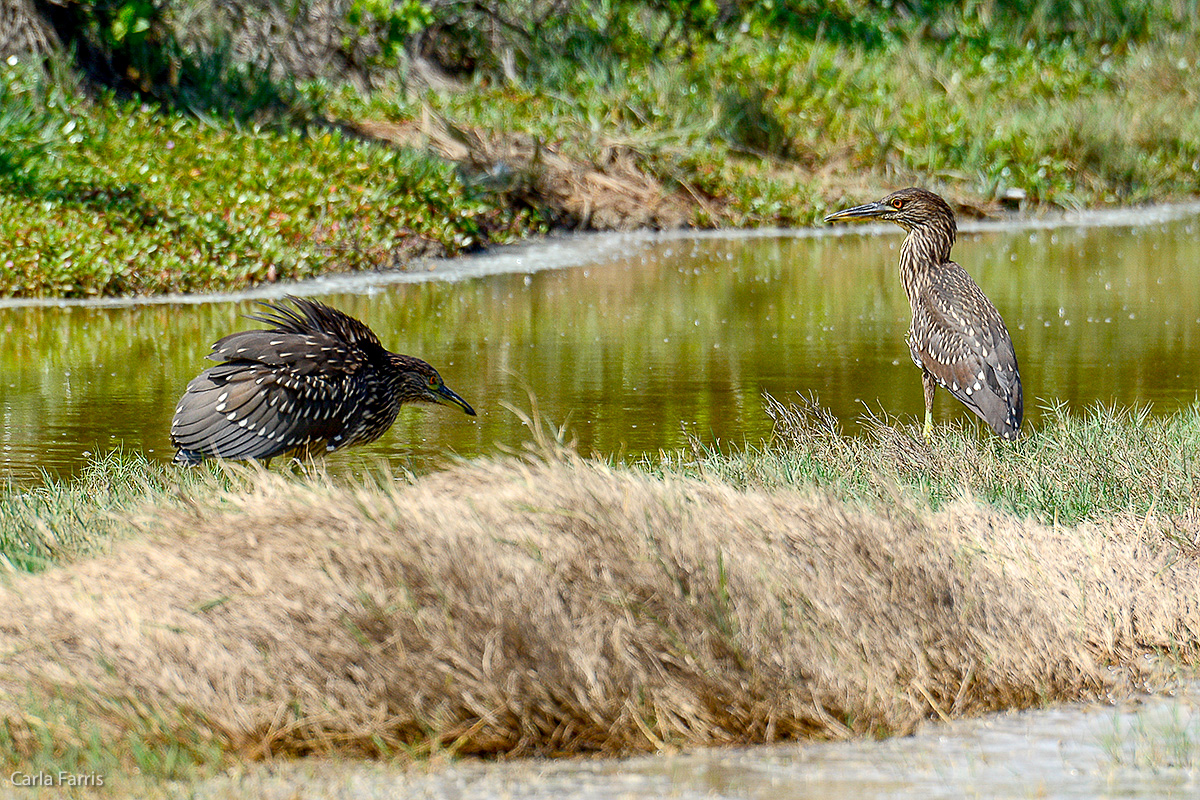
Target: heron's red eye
point(433, 381)
point(897, 204)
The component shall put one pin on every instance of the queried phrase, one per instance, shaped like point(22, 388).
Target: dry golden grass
point(561, 606)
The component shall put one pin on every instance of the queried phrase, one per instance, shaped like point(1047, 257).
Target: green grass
point(60, 521)
point(110, 197)
point(1073, 468)
point(113, 198)
point(754, 127)
point(71, 740)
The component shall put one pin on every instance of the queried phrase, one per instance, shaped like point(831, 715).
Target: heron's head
point(910, 208)
point(421, 383)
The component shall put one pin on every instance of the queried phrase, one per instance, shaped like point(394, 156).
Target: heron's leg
point(930, 385)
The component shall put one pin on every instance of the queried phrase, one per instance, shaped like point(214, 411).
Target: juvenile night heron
point(317, 380)
point(957, 337)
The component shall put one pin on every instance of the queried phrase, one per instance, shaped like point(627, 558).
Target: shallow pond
point(639, 342)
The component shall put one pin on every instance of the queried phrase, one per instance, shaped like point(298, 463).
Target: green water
point(661, 340)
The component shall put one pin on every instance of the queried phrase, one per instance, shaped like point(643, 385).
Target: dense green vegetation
point(115, 197)
point(1073, 468)
point(196, 171)
point(1108, 464)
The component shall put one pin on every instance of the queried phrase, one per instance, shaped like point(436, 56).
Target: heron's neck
point(924, 250)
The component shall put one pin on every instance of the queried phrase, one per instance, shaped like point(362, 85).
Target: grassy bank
point(111, 198)
point(1074, 468)
point(231, 177)
point(556, 605)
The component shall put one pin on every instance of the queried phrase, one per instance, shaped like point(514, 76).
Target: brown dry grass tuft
point(613, 193)
point(524, 607)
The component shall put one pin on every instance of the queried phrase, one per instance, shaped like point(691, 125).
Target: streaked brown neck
point(925, 248)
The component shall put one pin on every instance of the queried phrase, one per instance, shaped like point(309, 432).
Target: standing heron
point(316, 381)
point(957, 337)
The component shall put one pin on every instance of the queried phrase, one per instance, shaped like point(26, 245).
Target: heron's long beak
point(866, 211)
point(447, 397)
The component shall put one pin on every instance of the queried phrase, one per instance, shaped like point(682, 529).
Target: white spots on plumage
point(219, 407)
point(231, 416)
point(978, 386)
point(222, 397)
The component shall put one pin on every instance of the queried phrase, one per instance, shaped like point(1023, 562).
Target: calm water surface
point(638, 345)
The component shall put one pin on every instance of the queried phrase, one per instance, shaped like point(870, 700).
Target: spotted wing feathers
point(298, 353)
point(275, 390)
point(242, 409)
point(960, 339)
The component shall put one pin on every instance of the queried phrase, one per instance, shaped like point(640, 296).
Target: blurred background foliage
point(255, 50)
point(188, 145)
